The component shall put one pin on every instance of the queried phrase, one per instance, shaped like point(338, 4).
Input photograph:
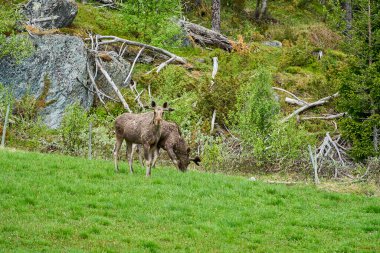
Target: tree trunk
point(261, 9)
point(215, 23)
point(348, 17)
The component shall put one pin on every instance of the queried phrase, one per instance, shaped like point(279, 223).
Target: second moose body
point(172, 141)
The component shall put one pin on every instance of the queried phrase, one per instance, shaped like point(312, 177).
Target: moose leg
point(130, 155)
point(148, 159)
point(116, 150)
point(141, 154)
point(155, 157)
point(173, 157)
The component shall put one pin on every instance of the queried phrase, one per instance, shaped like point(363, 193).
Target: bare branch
point(133, 65)
point(308, 106)
point(291, 94)
point(327, 117)
point(113, 39)
point(117, 91)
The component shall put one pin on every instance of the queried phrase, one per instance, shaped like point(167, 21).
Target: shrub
point(74, 130)
point(257, 124)
point(299, 54)
point(16, 46)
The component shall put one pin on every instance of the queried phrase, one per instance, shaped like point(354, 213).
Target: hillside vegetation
point(249, 135)
point(60, 203)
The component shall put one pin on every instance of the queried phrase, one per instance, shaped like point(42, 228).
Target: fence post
point(5, 126)
point(90, 141)
point(314, 163)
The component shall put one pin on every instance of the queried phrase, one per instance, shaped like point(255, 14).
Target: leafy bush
point(258, 126)
point(73, 130)
point(18, 47)
point(299, 54)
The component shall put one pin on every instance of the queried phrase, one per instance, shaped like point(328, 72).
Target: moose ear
point(196, 160)
point(153, 104)
point(165, 105)
point(170, 109)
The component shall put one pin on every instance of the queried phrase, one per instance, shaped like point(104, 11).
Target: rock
point(58, 68)
point(252, 179)
point(117, 68)
point(50, 13)
point(273, 43)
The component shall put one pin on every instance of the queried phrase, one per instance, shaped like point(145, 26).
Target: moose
point(172, 141)
point(151, 132)
point(141, 129)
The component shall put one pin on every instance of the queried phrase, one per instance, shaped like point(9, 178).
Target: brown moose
point(172, 141)
point(144, 129)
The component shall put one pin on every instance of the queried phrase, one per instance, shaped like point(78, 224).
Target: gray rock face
point(273, 43)
point(60, 61)
point(51, 13)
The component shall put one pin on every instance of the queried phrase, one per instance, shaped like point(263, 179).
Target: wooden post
point(313, 159)
point(90, 141)
point(5, 126)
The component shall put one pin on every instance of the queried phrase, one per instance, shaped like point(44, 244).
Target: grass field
point(56, 203)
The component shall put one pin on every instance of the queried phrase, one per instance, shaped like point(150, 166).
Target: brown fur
point(172, 141)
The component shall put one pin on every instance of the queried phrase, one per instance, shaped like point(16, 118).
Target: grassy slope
point(58, 203)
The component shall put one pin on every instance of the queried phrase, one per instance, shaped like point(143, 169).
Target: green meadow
point(57, 203)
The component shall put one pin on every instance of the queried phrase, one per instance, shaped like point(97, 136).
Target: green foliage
point(359, 81)
point(299, 54)
point(152, 21)
point(360, 97)
point(17, 47)
point(73, 205)
point(258, 109)
point(258, 126)
point(73, 130)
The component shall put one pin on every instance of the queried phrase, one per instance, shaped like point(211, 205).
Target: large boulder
point(57, 68)
point(50, 13)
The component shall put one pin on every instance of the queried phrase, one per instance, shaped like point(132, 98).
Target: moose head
point(159, 112)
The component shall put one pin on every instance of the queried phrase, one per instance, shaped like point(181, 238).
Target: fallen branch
point(128, 79)
point(204, 36)
point(308, 106)
point(117, 91)
point(44, 19)
point(294, 101)
point(113, 39)
point(94, 84)
point(291, 94)
point(327, 117)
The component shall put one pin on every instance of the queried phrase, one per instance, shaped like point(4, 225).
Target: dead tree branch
point(308, 106)
point(117, 91)
point(291, 94)
point(113, 39)
point(128, 79)
point(327, 117)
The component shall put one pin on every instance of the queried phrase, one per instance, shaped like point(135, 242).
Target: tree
point(215, 22)
point(360, 83)
point(261, 9)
